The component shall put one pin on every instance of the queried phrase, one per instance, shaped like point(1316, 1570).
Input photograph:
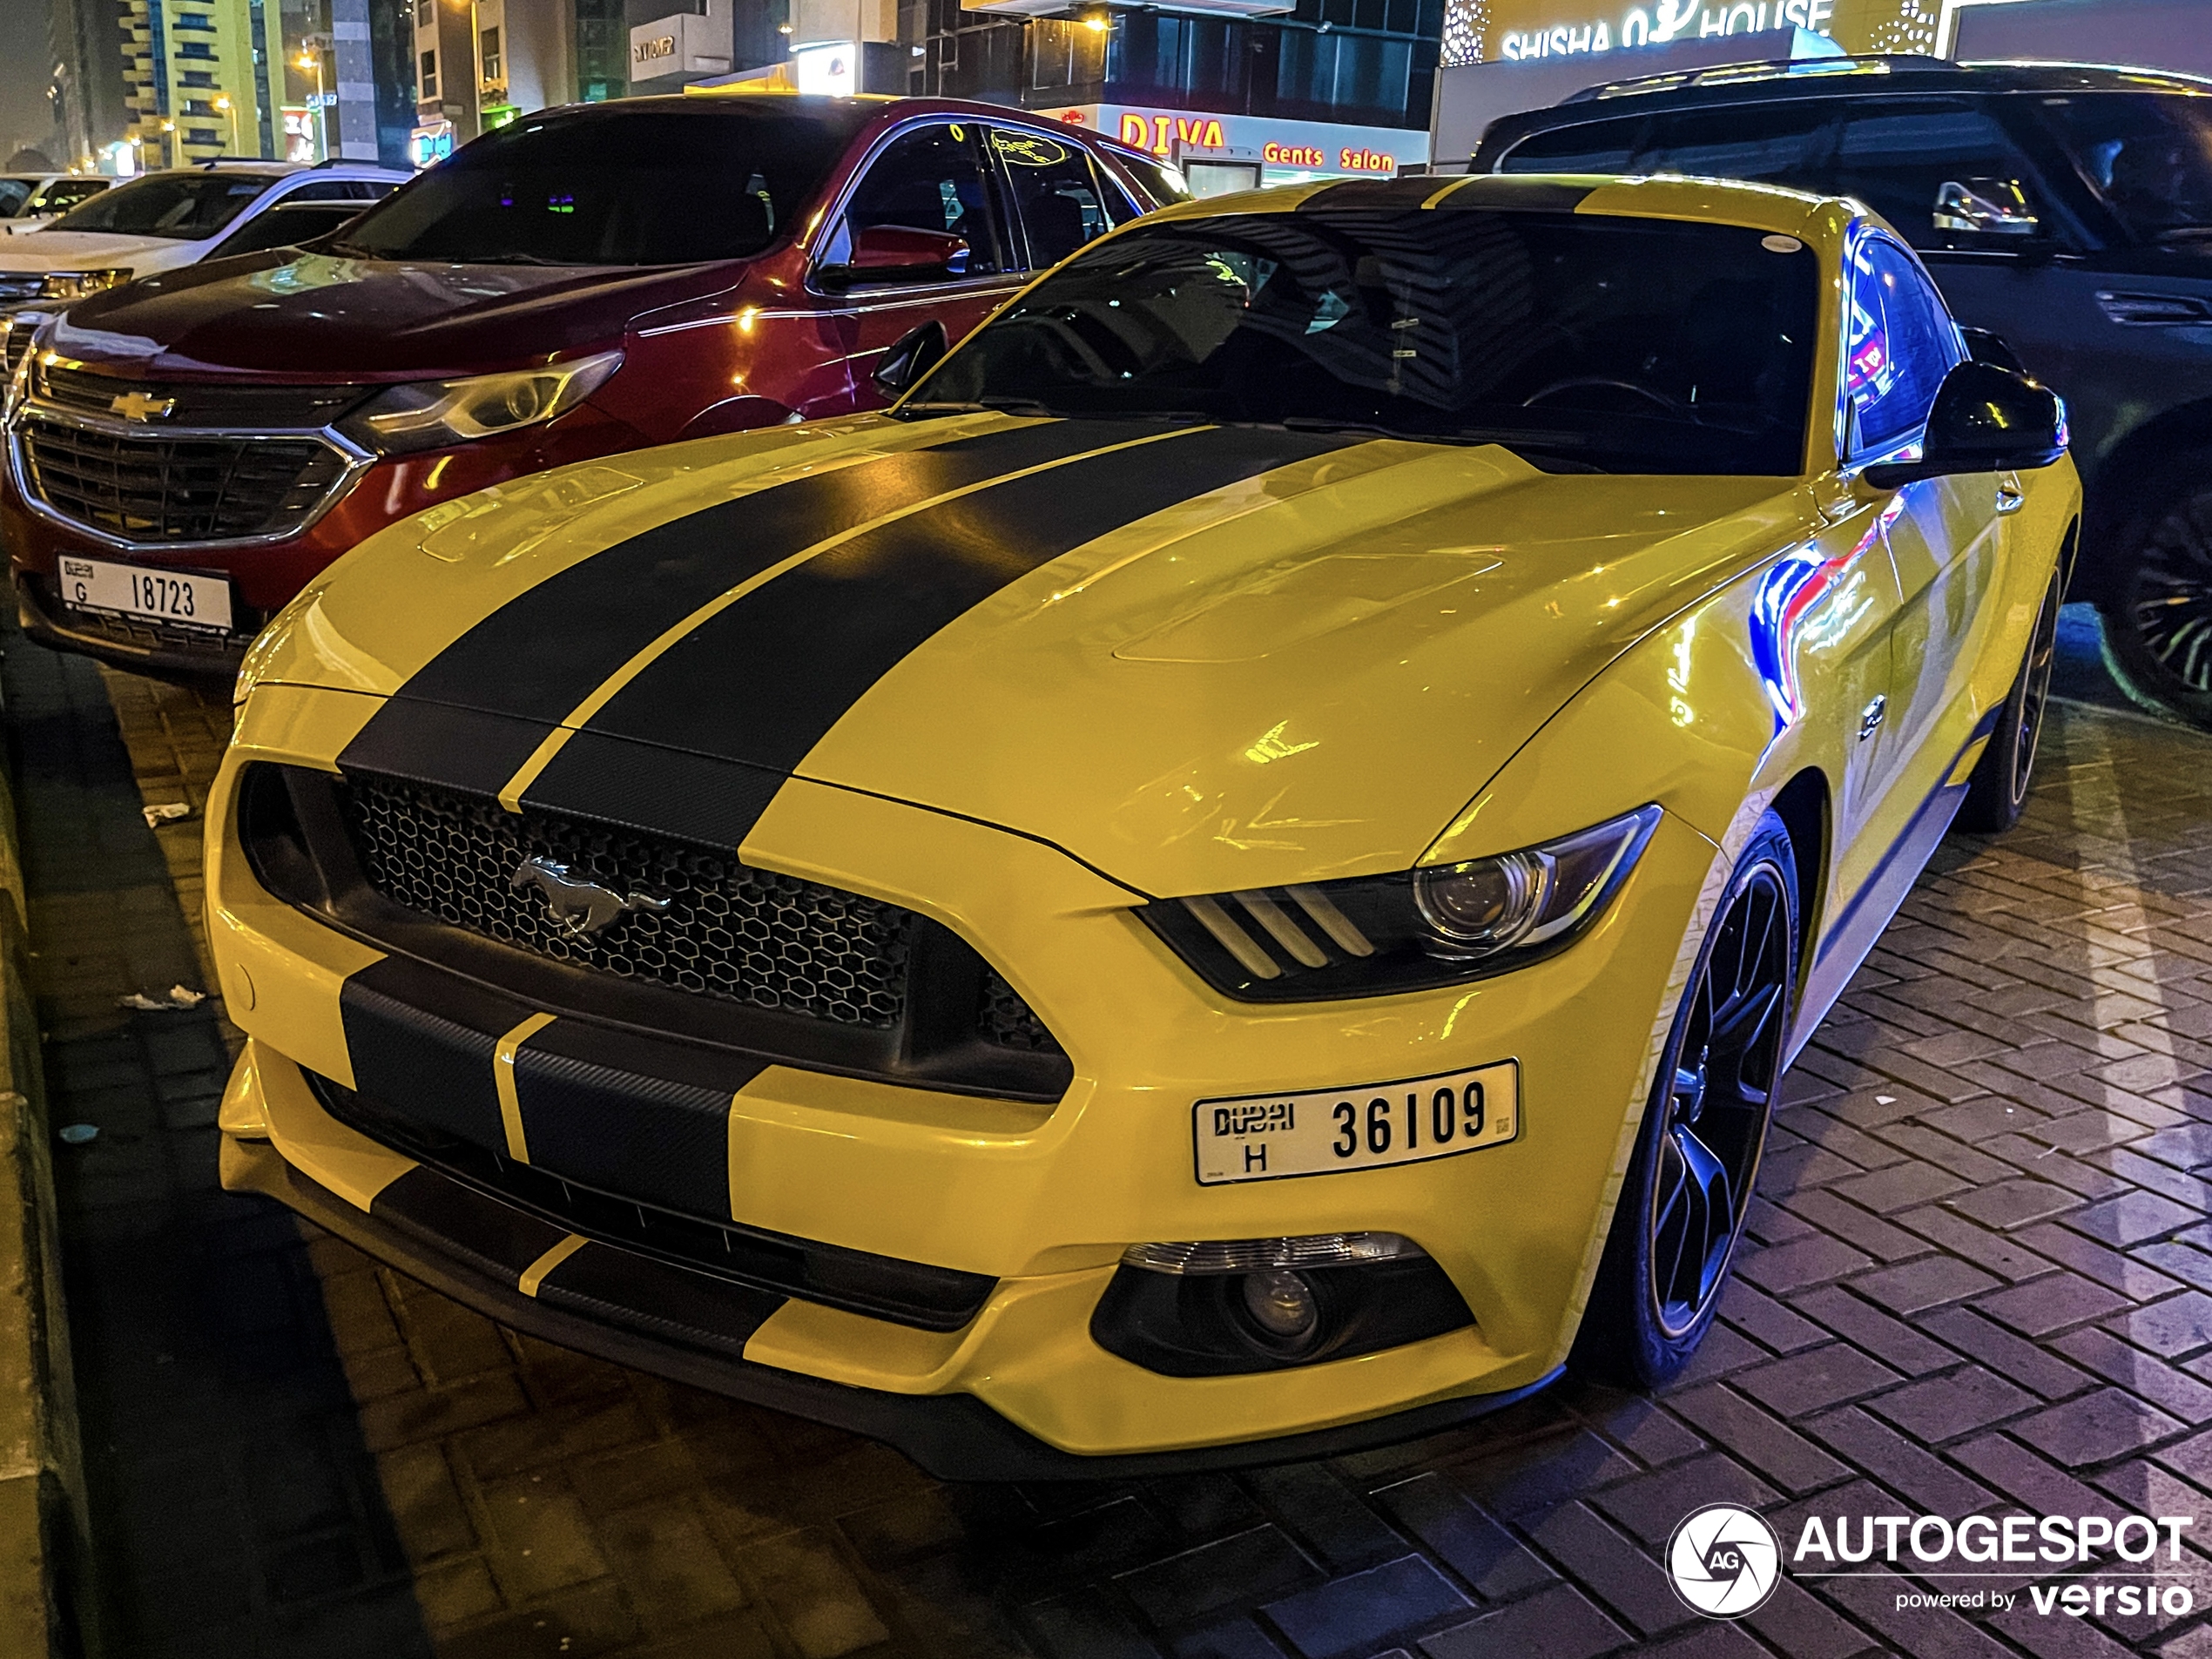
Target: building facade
point(202, 80)
point(476, 64)
point(84, 39)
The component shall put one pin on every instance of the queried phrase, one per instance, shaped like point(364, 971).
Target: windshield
point(2150, 157)
point(1618, 345)
point(616, 188)
point(184, 205)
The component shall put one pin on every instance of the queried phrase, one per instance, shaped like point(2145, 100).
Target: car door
point(1944, 536)
point(930, 176)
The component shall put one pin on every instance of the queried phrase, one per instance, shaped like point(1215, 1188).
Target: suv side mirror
point(911, 356)
point(899, 253)
point(1986, 418)
point(1983, 207)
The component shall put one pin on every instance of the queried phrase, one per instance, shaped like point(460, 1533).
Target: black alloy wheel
point(1689, 1182)
point(1997, 794)
point(2157, 615)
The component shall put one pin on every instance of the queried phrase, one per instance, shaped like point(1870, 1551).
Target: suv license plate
point(1266, 1137)
point(168, 596)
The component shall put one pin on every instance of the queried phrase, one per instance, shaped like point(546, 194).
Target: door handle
point(2010, 496)
point(1869, 719)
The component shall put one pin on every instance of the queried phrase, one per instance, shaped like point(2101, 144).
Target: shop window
point(1901, 344)
point(1055, 196)
point(1897, 161)
point(930, 179)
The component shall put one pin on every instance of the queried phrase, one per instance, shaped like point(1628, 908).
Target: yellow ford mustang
point(1232, 878)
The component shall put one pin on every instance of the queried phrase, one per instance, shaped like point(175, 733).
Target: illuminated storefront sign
point(1522, 30)
point(1278, 146)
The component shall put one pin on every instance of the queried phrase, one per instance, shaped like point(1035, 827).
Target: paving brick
point(2125, 1271)
point(1784, 1456)
point(2012, 1203)
point(1627, 1580)
point(2051, 1304)
point(1248, 1569)
point(1905, 1468)
point(1990, 1251)
point(813, 1594)
point(2139, 1374)
point(1806, 1382)
point(1846, 1221)
point(1489, 1560)
point(2096, 1428)
point(1896, 1344)
point(2025, 1363)
point(1945, 1407)
point(1558, 1624)
point(1651, 1506)
point(2134, 1218)
point(1354, 1614)
point(1338, 1530)
point(1915, 1286)
point(1785, 1269)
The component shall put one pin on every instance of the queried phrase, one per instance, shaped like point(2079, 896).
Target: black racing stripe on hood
point(1374, 193)
point(1502, 191)
point(436, 1067)
point(444, 746)
point(763, 681)
point(658, 791)
point(545, 651)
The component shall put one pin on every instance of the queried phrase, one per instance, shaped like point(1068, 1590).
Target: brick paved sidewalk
point(1980, 1284)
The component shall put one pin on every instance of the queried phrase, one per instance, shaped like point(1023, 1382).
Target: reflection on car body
point(1192, 852)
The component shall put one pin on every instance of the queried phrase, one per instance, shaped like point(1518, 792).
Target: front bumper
point(1043, 1199)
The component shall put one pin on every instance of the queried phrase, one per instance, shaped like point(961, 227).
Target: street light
point(223, 103)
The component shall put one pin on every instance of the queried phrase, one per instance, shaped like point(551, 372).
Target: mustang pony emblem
point(581, 909)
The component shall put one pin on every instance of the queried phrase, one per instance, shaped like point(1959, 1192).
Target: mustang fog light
point(1283, 1305)
point(1221, 1308)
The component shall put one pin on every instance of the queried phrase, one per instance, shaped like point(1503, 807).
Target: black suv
point(2066, 210)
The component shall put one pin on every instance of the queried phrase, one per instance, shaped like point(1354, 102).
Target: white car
point(163, 220)
point(29, 199)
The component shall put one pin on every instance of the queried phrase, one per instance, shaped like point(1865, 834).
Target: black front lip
point(953, 1437)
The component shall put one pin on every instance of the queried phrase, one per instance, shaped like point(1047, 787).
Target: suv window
point(597, 187)
point(13, 192)
point(2150, 157)
point(339, 190)
point(929, 178)
point(1897, 160)
point(1769, 143)
point(1055, 195)
point(1902, 342)
point(184, 205)
point(64, 194)
point(1593, 146)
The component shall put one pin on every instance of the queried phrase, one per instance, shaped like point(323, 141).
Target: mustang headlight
point(76, 285)
point(1375, 935)
point(436, 414)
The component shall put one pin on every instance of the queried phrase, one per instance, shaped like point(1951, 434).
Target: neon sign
point(1665, 21)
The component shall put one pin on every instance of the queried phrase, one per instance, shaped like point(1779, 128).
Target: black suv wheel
point(2157, 611)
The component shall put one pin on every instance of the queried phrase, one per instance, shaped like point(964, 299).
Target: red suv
point(183, 453)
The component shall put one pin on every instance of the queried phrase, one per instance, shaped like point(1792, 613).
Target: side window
point(1775, 144)
point(1901, 344)
point(1591, 147)
point(13, 192)
point(1056, 196)
point(65, 194)
point(929, 180)
point(324, 190)
point(1934, 170)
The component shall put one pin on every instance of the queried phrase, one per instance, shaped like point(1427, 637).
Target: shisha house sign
point(1666, 20)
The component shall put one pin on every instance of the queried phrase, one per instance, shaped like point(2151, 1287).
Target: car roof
point(1873, 75)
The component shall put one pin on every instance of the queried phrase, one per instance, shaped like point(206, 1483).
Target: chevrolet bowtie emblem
point(141, 406)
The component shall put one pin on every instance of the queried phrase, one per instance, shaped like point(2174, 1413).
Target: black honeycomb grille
point(728, 930)
point(1009, 1021)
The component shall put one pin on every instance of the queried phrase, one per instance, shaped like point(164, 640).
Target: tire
point(1689, 1181)
point(2157, 606)
point(1997, 794)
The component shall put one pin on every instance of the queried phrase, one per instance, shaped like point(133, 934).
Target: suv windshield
point(2150, 157)
point(616, 188)
point(185, 205)
point(1618, 345)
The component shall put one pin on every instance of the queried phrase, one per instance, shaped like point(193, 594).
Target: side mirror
point(1983, 207)
point(1986, 418)
point(1986, 347)
point(899, 253)
point(911, 356)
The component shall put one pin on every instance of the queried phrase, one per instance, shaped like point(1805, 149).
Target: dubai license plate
point(1266, 1137)
point(170, 597)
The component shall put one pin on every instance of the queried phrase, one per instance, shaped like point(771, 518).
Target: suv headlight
point(1375, 935)
point(436, 414)
point(75, 285)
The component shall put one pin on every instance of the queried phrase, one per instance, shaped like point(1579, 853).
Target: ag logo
point(1723, 1560)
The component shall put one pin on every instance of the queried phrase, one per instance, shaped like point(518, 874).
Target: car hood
point(292, 313)
point(1199, 659)
point(53, 250)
